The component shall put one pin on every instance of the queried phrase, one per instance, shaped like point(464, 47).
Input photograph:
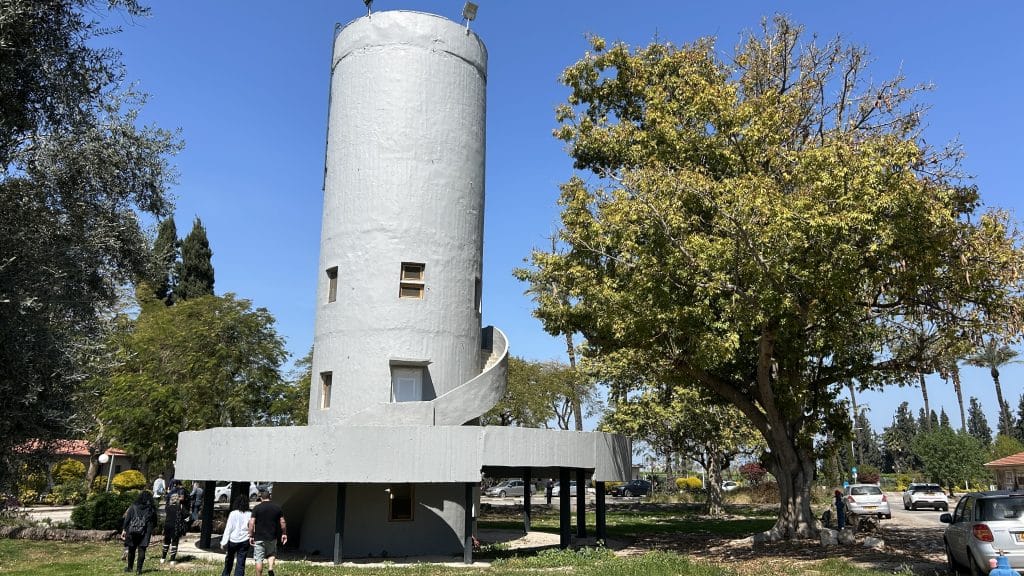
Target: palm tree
point(993, 355)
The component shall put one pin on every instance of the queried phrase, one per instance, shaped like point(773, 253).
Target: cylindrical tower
point(398, 295)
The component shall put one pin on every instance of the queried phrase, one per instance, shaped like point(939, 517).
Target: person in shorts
point(266, 527)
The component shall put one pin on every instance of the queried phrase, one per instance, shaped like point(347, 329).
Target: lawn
point(47, 558)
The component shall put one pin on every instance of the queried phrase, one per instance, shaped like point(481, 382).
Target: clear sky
point(247, 81)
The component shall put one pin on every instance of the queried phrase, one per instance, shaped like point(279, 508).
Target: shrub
point(129, 480)
point(689, 483)
point(868, 474)
point(71, 492)
point(67, 471)
point(103, 511)
point(753, 473)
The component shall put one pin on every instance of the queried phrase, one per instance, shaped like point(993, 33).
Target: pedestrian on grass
point(175, 521)
point(266, 527)
point(235, 540)
point(840, 510)
point(137, 527)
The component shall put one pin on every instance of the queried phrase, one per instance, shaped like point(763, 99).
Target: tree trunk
point(713, 487)
point(954, 372)
point(924, 395)
point(577, 409)
point(795, 475)
point(1004, 415)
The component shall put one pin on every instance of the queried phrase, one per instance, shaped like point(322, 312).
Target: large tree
point(950, 458)
point(162, 278)
point(204, 362)
point(533, 390)
point(195, 270)
point(767, 228)
point(76, 172)
point(684, 422)
point(977, 424)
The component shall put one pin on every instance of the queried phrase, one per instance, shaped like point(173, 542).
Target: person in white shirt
point(235, 540)
point(159, 486)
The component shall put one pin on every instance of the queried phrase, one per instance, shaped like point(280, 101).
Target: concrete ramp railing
point(472, 399)
point(458, 406)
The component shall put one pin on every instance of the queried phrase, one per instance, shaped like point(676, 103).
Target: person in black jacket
point(175, 520)
point(137, 527)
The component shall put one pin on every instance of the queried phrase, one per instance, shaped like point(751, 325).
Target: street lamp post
point(104, 459)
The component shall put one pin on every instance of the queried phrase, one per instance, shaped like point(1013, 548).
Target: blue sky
point(246, 82)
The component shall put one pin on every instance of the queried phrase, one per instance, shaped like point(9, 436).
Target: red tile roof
point(66, 448)
point(1015, 460)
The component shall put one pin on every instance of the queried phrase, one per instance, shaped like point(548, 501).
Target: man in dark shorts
point(266, 526)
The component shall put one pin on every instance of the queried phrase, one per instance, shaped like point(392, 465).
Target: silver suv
point(983, 526)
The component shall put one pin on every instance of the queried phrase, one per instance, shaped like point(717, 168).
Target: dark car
point(983, 526)
point(633, 488)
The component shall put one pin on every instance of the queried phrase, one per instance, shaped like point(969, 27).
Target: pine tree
point(977, 424)
point(195, 272)
point(898, 438)
point(943, 418)
point(1018, 425)
point(165, 257)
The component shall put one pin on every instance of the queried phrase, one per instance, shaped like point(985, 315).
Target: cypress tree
point(977, 424)
point(165, 258)
point(195, 272)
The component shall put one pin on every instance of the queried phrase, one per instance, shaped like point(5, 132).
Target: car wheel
point(945, 508)
point(905, 506)
point(954, 566)
point(628, 493)
point(913, 507)
point(888, 516)
point(223, 499)
point(501, 494)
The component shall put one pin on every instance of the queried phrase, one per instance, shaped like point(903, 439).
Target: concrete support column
point(564, 509)
point(527, 495)
point(600, 509)
point(581, 503)
point(339, 523)
point(467, 546)
point(206, 527)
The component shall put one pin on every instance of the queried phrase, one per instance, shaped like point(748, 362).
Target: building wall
point(404, 182)
point(436, 527)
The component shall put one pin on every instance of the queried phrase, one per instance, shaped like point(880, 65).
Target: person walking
point(137, 527)
point(840, 510)
point(266, 526)
point(549, 488)
point(196, 496)
point(175, 520)
point(159, 486)
point(235, 540)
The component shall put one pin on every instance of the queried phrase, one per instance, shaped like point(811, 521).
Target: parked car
point(984, 525)
point(633, 488)
point(729, 486)
point(557, 490)
point(506, 488)
point(867, 500)
point(919, 495)
point(223, 493)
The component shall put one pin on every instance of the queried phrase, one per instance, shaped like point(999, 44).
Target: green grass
point(630, 523)
point(36, 558)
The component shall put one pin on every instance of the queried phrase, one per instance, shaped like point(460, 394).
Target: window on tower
point(325, 390)
point(411, 281)
point(406, 383)
point(332, 284)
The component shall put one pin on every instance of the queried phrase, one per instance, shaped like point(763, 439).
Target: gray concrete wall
point(436, 527)
point(404, 183)
point(377, 454)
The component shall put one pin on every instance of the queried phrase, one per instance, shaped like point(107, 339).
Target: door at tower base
point(381, 520)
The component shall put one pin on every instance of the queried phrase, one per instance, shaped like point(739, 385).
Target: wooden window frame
point(326, 384)
point(412, 281)
point(332, 284)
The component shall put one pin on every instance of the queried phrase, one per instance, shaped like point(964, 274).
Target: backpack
point(137, 524)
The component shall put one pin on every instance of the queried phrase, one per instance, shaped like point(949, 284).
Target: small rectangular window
point(412, 271)
point(411, 280)
point(332, 284)
point(400, 502)
point(325, 390)
point(406, 383)
point(477, 294)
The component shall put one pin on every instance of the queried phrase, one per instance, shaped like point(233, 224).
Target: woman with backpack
point(235, 540)
point(138, 525)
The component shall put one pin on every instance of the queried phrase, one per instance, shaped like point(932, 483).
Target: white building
point(402, 370)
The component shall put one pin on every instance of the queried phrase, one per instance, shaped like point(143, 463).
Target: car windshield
point(1001, 508)
point(865, 490)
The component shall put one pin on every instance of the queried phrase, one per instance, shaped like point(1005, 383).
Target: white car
point(729, 486)
point(925, 496)
point(557, 490)
point(223, 493)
